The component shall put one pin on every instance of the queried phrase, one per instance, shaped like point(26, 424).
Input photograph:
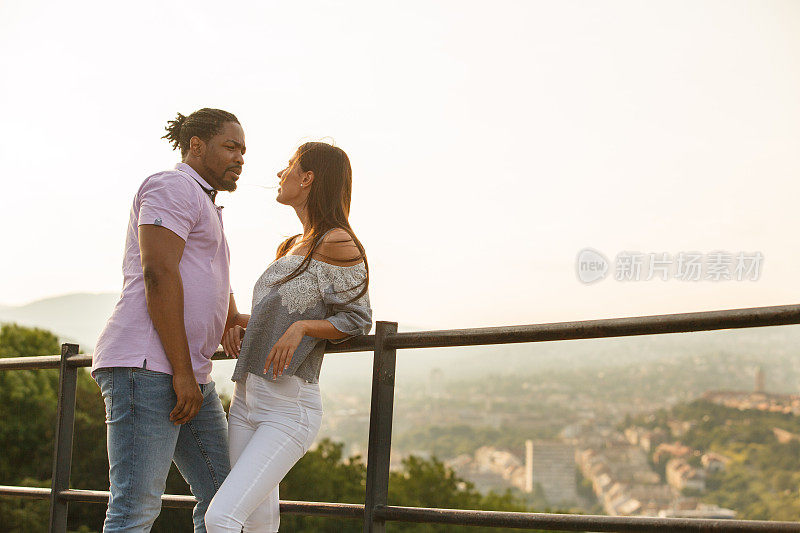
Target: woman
point(315, 289)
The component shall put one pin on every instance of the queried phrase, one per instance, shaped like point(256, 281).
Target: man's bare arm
point(235, 325)
point(235, 318)
point(161, 251)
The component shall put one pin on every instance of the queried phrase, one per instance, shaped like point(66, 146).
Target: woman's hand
point(281, 354)
point(232, 341)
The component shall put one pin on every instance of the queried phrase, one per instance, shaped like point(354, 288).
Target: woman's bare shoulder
point(338, 248)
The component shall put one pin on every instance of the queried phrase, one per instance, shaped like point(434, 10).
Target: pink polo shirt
point(175, 200)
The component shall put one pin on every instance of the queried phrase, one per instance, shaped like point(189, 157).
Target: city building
point(551, 465)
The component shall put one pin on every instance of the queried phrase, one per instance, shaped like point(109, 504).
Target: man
point(152, 361)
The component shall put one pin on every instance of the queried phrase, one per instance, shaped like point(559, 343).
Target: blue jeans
point(143, 442)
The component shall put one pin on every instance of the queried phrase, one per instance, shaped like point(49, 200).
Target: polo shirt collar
point(208, 189)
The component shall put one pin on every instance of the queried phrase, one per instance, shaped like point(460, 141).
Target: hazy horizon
point(80, 317)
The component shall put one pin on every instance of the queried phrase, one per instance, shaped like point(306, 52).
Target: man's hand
point(281, 354)
point(232, 341)
point(189, 398)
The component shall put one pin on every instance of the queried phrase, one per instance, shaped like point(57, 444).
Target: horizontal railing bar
point(553, 522)
point(362, 343)
point(753, 317)
point(40, 362)
point(566, 522)
point(332, 510)
point(101, 496)
point(33, 493)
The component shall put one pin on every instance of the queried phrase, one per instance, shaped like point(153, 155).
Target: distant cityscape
point(617, 465)
point(580, 428)
point(583, 456)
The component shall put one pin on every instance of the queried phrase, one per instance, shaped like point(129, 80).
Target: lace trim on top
point(340, 283)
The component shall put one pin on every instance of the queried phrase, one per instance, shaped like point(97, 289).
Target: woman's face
point(294, 184)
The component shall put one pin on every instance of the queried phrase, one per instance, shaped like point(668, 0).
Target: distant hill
point(73, 317)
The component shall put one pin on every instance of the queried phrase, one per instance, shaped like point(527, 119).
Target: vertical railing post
point(65, 425)
point(380, 427)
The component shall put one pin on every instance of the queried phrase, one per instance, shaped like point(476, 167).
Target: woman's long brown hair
point(328, 204)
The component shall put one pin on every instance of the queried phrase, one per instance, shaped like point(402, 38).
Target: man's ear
point(196, 146)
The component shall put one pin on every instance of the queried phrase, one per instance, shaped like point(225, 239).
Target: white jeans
point(271, 426)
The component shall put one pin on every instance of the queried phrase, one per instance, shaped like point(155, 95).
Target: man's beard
point(227, 184)
point(223, 183)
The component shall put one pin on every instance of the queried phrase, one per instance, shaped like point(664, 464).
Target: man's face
point(223, 157)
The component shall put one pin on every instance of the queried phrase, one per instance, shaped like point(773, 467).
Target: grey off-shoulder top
point(319, 293)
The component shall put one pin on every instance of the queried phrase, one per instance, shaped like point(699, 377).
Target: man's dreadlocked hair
point(203, 123)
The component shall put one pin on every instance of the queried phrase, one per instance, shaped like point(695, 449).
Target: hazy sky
point(490, 142)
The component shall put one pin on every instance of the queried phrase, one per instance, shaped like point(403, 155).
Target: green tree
point(762, 480)
point(430, 483)
point(28, 401)
point(27, 410)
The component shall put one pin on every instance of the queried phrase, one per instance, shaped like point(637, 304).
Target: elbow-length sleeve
point(338, 285)
point(169, 201)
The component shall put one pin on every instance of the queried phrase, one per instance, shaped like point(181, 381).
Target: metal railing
point(387, 340)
